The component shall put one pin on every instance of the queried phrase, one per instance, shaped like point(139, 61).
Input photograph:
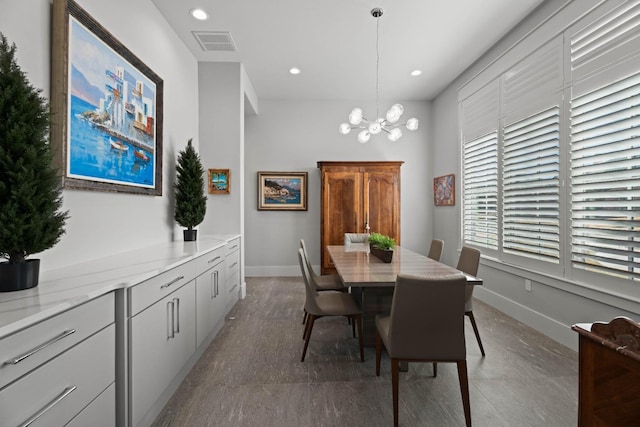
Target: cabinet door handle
point(170, 310)
point(42, 346)
point(212, 260)
point(212, 287)
point(177, 279)
point(177, 316)
point(215, 283)
point(66, 392)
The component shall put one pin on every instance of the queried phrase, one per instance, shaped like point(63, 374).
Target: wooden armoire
point(358, 197)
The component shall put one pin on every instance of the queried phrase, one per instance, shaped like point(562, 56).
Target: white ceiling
point(333, 42)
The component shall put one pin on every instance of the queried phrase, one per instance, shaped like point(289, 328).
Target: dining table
point(371, 281)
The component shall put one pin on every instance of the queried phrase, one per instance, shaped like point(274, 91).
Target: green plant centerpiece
point(30, 193)
point(382, 246)
point(191, 200)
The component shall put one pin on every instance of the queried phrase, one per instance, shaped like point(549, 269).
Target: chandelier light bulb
point(412, 123)
point(356, 116)
point(394, 113)
point(364, 136)
point(394, 134)
point(345, 128)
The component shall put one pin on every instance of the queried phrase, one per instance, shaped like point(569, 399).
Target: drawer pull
point(177, 279)
point(233, 265)
point(66, 392)
point(213, 260)
point(234, 287)
point(233, 247)
point(55, 339)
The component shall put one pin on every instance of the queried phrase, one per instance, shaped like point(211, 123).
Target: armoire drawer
point(146, 293)
point(54, 393)
point(24, 351)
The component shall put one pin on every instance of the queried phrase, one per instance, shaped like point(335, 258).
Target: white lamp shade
point(356, 116)
point(394, 134)
point(364, 136)
point(394, 113)
point(345, 128)
point(412, 123)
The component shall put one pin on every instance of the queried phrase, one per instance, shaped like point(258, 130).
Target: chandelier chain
point(377, 65)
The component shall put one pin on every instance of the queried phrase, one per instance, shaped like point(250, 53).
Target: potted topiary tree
point(30, 192)
point(191, 200)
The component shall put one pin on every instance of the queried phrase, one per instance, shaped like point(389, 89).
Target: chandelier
point(389, 124)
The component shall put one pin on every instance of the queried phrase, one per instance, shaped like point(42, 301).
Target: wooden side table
point(609, 378)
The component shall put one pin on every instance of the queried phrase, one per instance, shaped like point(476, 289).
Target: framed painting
point(444, 190)
point(106, 130)
point(219, 181)
point(282, 191)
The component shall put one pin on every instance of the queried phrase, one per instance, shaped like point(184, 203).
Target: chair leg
point(435, 369)
point(304, 318)
point(378, 352)
point(358, 320)
point(475, 330)
point(310, 321)
point(353, 326)
point(306, 328)
point(464, 389)
point(395, 367)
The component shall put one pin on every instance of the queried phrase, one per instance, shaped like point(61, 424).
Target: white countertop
point(59, 290)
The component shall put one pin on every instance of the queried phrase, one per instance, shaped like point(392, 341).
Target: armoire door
point(382, 202)
point(342, 209)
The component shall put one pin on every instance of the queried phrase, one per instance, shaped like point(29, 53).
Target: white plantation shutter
point(605, 179)
point(480, 185)
point(530, 192)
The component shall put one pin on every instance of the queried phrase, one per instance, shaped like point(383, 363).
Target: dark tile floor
point(251, 375)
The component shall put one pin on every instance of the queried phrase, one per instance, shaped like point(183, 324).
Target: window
point(552, 184)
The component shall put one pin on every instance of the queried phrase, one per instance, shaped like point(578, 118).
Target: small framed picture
point(282, 191)
point(219, 181)
point(444, 190)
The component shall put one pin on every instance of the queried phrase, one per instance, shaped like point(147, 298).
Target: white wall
point(553, 305)
point(106, 223)
point(292, 136)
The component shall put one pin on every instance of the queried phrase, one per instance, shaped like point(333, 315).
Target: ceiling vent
point(215, 41)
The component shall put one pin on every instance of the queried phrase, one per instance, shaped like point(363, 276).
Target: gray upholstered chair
point(326, 282)
point(426, 324)
point(322, 304)
point(435, 251)
point(468, 263)
point(350, 238)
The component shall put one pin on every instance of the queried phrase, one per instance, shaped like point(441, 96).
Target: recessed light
point(294, 70)
point(199, 14)
point(416, 72)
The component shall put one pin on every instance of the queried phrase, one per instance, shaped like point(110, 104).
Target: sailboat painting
point(113, 114)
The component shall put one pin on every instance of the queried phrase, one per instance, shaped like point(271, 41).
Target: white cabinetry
point(162, 336)
point(210, 293)
point(232, 264)
point(62, 367)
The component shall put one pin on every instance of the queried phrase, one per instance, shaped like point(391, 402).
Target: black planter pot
point(19, 276)
point(190, 235)
point(384, 255)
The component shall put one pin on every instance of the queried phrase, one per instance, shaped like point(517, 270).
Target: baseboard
point(274, 271)
point(538, 321)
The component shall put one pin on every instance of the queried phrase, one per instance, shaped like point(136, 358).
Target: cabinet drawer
point(209, 260)
point(146, 293)
point(26, 350)
point(60, 389)
point(233, 263)
point(100, 413)
point(233, 286)
point(233, 245)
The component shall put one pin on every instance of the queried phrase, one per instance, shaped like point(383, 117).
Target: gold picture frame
point(219, 181)
point(282, 191)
